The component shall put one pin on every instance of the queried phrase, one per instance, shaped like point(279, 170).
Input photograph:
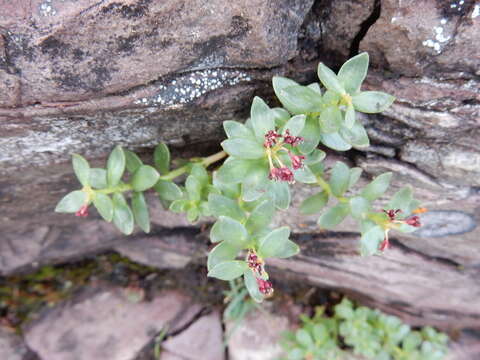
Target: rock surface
point(12, 346)
point(103, 323)
point(257, 337)
point(142, 71)
point(201, 340)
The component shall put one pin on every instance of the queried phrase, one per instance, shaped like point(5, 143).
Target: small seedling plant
point(263, 157)
point(364, 332)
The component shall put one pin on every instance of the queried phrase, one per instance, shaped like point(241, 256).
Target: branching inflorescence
point(273, 149)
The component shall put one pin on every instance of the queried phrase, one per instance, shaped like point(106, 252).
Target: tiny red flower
point(413, 221)
point(271, 138)
point(292, 140)
point(297, 161)
point(265, 287)
point(282, 174)
point(83, 211)
point(254, 262)
point(392, 213)
point(385, 244)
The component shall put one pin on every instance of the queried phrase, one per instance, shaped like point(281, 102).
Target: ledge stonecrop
point(273, 149)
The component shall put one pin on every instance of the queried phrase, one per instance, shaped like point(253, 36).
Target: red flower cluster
point(292, 140)
point(282, 173)
point(265, 287)
point(83, 211)
point(413, 221)
point(254, 262)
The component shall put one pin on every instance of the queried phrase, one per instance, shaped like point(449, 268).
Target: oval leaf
point(339, 179)
point(243, 148)
point(144, 178)
point(333, 216)
point(329, 79)
point(221, 253)
point(353, 72)
point(72, 202)
point(314, 204)
point(223, 206)
point(372, 102)
point(122, 215)
point(81, 169)
point(104, 205)
point(98, 178)
point(161, 158)
point(168, 190)
point(115, 166)
point(261, 118)
point(132, 161)
point(260, 217)
point(377, 187)
point(229, 270)
point(140, 211)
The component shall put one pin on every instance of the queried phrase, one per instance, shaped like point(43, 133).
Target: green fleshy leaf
point(335, 141)
point(72, 202)
point(305, 175)
point(359, 207)
point(314, 204)
point(339, 179)
point(229, 270)
point(234, 129)
point(140, 211)
point(372, 102)
point(295, 125)
point(115, 166)
point(81, 169)
point(221, 253)
point(331, 98)
point(304, 338)
point(280, 116)
point(333, 216)
point(300, 100)
point(274, 243)
point(256, 182)
point(353, 72)
point(370, 240)
point(104, 205)
point(98, 178)
point(223, 206)
point(355, 174)
point(260, 217)
point(144, 178)
point(231, 231)
point(132, 161)
point(161, 158)
point(261, 119)
point(315, 87)
point(243, 148)
point(356, 136)
point(329, 79)
point(201, 174)
point(330, 120)
point(281, 194)
point(192, 214)
point(122, 215)
point(179, 206)
point(310, 134)
point(350, 116)
point(194, 188)
point(377, 187)
point(233, 171)
point(401, 200)
point(314, 157)
point(168, 190)
point(279, 84)
point(252, 286)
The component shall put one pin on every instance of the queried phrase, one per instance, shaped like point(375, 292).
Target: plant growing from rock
point(273, 149)
point(365, 332)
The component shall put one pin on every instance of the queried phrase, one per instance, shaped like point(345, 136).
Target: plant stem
point(205, 162)
point(122, 187)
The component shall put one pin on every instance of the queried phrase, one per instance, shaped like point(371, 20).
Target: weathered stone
point(201, 340)
point(257, 337)
point(11, 346)
point(104, 324)
point(145, 40)
point(425, 38)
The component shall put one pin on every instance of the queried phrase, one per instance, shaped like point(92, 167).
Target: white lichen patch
point(476, 11)
point(439, 38)
point(191, 86)
point(440, 223)
point(47, 9)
